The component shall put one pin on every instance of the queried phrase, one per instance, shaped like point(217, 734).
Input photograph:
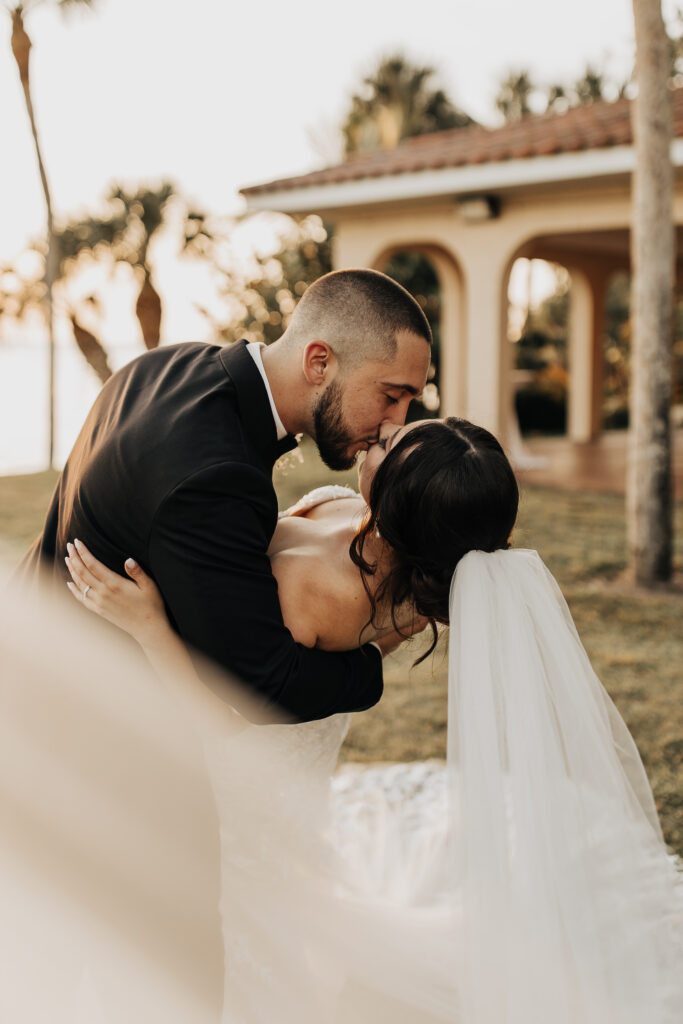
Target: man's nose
point(397, 413)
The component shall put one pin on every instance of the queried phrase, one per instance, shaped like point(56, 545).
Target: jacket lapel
point(252, 402)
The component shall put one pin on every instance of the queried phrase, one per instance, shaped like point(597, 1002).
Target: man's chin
point(339, 463)
point(338, 459)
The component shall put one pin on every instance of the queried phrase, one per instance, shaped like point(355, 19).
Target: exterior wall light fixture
point(474, 209)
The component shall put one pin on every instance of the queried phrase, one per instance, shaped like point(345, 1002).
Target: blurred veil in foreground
point(544, 893)
point(109, 859)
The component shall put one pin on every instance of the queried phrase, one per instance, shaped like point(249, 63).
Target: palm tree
point(514, 94)
point(649, 499)
point(144, 215)
point(21, 48)
point(124, 233)
point(397, 102)
point(590, 88)
point(558, 98)
point(92, 349)
point(518, 94)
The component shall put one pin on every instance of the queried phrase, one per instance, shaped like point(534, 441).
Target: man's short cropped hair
point(359, 314)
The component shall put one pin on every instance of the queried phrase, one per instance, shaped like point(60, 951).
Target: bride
point(528, 880)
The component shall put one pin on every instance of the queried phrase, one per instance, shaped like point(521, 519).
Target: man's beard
point(331, 432)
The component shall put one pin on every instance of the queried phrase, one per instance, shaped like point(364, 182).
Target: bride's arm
point(135, 606)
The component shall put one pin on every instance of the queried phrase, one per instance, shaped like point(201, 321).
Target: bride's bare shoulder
point(322, 605)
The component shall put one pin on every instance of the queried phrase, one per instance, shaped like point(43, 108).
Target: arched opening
point(537, 329)
point(570, 376)
point(433, 277)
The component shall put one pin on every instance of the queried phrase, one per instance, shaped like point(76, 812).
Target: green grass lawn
point(634, 641)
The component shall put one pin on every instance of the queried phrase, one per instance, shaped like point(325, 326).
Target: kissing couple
point(549, 891)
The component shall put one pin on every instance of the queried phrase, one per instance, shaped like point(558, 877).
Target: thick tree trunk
point(148, 312)
point(649, 502)
point(92, 349)
point(21, 48)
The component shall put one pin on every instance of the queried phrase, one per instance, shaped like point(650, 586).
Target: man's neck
point(285, 386)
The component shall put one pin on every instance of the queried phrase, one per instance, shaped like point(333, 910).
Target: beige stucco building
point(555, 187)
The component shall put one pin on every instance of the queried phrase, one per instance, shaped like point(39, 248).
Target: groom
point(173, 468)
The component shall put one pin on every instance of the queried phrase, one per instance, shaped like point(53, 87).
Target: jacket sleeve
point(208, 553)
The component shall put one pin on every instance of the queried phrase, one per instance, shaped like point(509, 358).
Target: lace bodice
point(318, 496)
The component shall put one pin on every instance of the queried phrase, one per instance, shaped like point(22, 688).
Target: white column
point(453, 331)
point(581, 341)
point(488, 379)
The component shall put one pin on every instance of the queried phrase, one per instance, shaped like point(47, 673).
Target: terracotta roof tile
point(593, 127)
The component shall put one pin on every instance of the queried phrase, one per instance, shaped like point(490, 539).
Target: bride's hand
point(409, 624)
point(134, 605)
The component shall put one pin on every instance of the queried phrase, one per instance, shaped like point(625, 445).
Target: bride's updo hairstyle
point(444, 489)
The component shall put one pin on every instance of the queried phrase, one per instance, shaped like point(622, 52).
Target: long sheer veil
point(570, 905)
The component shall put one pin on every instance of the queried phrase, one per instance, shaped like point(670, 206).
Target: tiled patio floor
point(594, 466)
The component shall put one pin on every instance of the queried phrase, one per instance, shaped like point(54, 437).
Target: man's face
point(350, 411)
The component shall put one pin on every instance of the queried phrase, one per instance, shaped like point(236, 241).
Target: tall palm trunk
point(148, 311)
point(92, 349)
point(21, 48)
point(649, 499)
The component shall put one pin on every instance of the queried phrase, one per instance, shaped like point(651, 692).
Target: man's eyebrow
point(401, 387)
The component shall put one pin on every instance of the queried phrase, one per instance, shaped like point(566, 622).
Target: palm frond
point(65, 5)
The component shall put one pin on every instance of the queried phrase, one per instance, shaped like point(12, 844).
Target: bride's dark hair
point(444, 489)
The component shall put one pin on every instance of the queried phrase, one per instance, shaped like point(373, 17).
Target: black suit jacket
point(173, 468)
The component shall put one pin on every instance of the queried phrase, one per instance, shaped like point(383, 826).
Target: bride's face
point(369, 462)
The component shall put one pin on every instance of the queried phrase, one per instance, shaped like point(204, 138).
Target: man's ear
point(319, 363)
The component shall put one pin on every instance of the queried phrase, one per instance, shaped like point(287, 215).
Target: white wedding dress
point(330, 881)
point(526, 882)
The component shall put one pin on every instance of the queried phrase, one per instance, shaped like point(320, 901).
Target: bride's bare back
point(323, 601)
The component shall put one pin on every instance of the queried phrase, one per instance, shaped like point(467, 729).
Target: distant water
point(23, 401)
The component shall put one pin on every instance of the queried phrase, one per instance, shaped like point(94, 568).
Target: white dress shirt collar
point(254, 350)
